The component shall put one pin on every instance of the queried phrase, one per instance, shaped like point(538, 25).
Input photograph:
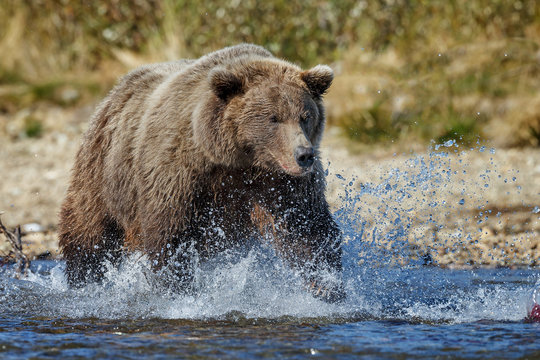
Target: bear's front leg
point(172, 249)
point(314, 240)
point(87, 251)
point(310, 241)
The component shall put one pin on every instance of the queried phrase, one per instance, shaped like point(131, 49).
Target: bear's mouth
point(294, 169)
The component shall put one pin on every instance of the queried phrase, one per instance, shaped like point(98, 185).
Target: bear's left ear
point(225, 83)
point(318, 79)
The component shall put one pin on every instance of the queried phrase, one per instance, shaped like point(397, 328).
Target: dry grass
point(475, 90)
point(519, 126)
point(409, 70)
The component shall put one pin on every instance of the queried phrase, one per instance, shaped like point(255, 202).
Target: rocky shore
point(451, 205)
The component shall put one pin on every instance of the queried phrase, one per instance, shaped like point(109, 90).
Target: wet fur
point(172, 154)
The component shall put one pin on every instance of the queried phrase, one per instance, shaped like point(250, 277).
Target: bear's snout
point(304, 156)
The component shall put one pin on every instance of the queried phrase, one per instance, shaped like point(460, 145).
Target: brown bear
point(188, 158)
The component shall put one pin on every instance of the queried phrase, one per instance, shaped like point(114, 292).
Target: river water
point(256, 307)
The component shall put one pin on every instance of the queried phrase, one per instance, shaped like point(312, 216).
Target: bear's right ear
point(225, 84)
point(318, 79)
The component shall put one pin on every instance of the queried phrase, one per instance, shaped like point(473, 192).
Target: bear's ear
point(225, 83)
point(318, 79)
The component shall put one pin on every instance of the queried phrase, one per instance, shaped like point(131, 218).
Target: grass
point(32, 127)
point(19, 93)
point(406, 70)
point(474, 90)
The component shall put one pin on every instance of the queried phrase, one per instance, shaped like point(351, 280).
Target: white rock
point(32, 227)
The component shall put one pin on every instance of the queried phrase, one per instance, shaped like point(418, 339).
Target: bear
point(185, 159)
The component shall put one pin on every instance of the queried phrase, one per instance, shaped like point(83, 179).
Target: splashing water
point(267, 288)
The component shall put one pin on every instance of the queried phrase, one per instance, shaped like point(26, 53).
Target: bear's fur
point(195, 156)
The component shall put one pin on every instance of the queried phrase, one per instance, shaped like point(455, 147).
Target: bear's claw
point(330, 294)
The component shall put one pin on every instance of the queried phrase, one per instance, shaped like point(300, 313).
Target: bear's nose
point(305, 156)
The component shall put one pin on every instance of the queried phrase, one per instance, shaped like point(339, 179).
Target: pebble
point(32, 227)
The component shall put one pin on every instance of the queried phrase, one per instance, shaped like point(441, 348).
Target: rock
point(32, 228)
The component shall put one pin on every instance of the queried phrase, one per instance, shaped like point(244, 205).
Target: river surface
point(255, 307)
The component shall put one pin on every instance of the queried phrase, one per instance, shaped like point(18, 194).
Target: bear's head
point(263, 112)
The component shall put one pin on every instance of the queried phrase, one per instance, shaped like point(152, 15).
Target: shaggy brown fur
point(197, 156)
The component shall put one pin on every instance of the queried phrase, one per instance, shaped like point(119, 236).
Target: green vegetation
point(32, 127)
point(414, 69)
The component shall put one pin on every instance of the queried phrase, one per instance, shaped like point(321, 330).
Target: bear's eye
point(274, 119)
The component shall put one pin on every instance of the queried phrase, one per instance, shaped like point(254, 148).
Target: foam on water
point(247, 288)
point(378, 221)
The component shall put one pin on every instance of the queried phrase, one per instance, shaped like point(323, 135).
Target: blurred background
point(406, 70)
point(409, 74)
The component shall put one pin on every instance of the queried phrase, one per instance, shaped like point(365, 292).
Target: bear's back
point(129, 95)
point(133, 89)
point(230, 55)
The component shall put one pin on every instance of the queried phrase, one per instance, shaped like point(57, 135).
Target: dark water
point(242, 313)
